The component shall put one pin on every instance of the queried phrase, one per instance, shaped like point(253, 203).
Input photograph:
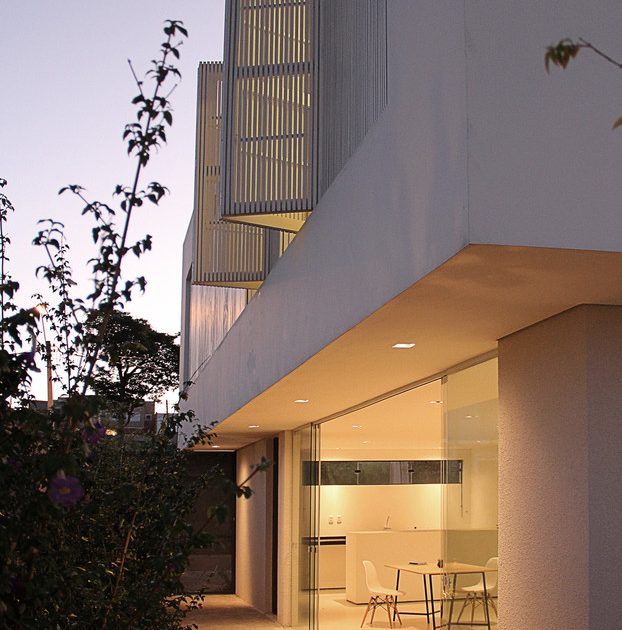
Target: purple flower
point(94, 434)
point(65, 491)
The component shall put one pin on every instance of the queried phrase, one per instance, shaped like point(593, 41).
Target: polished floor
point(230, 612)
point(336, 613)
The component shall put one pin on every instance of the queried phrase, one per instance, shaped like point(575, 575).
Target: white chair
point(379, 595)
point(475, 593)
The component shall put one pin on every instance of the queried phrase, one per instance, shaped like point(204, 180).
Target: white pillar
point(560, 472)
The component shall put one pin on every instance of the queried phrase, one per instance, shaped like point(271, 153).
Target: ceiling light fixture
point(301, 401)
point(215, 446)
point(357, 426)
point(403, 346)
point(253, 426)
point(436, 402)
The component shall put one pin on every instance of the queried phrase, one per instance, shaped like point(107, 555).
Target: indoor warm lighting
point(357, 426)
point(111, 432)
point(403, 346)
point(301, 400)
point(253, 426)
point(215, 446)
point(436, 402)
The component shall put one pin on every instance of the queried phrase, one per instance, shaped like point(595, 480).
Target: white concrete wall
point(543, 160)
point(253, 560)
point(560, 477)
point(395, 212)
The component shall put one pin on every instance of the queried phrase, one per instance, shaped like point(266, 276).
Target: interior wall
point(363, 508)
point(560, 478)
point(253, 563)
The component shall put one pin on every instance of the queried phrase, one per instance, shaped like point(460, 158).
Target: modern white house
point(403, 284)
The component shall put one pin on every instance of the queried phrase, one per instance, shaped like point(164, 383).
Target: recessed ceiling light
point(253, 426)
point(436, 402)
point(403, 345)
point(301, 401)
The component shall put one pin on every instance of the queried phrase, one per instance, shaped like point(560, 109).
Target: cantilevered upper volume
point(295, 109)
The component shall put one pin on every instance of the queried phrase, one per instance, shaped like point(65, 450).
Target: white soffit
point(455, 313)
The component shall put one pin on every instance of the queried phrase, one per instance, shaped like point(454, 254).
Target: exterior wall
point(207, 315)
point(394, 213)
point(543, 160)
point(253, 561)
point(560, 477)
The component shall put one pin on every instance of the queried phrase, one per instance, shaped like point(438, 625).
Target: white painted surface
point(332, 566)
point(387, 547)
point(367, 507)
point(543, 161)
point(560, 477)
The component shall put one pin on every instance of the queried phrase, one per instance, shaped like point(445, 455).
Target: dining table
point(449, 571)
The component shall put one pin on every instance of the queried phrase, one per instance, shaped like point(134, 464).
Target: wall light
point(253, 426)
point(436, 402)
point(403, 346)
point(301, 401)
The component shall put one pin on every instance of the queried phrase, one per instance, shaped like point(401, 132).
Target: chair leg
point(491, 601)
point(397, 612)
point(373, 612)
point(366, 611)
point(386, 601)
point(464, 605)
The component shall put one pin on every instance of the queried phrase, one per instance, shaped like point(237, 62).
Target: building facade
point(406, 172)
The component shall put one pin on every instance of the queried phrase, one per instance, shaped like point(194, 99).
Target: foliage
point(136, 363)
point(93, 529)
point(562, 53)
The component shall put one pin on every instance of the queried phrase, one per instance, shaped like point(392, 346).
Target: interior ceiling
point(408, 421)
point(455, 313)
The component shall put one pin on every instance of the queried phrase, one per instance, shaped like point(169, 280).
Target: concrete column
point(253, 566)
point(560, 472)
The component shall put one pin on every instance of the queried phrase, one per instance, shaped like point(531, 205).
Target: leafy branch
point(562, 53)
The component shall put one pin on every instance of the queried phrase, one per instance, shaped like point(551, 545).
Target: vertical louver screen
point(352, 87)
point(226, 254)
point(268, 140)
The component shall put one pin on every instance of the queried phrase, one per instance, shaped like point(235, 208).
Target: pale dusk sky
point(65, 97)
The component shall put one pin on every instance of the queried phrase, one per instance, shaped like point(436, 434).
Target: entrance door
point(470, 474)
point(305, 534)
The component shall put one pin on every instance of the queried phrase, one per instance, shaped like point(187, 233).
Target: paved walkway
point(230, 612)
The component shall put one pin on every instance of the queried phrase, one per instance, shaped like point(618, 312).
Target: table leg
point(432, 600)
point(427, 608)
point(451, 605)
point(486, 599)
point(397, 588)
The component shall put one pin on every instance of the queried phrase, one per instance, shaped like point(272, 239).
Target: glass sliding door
point(470, 498)
point(305, 528)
